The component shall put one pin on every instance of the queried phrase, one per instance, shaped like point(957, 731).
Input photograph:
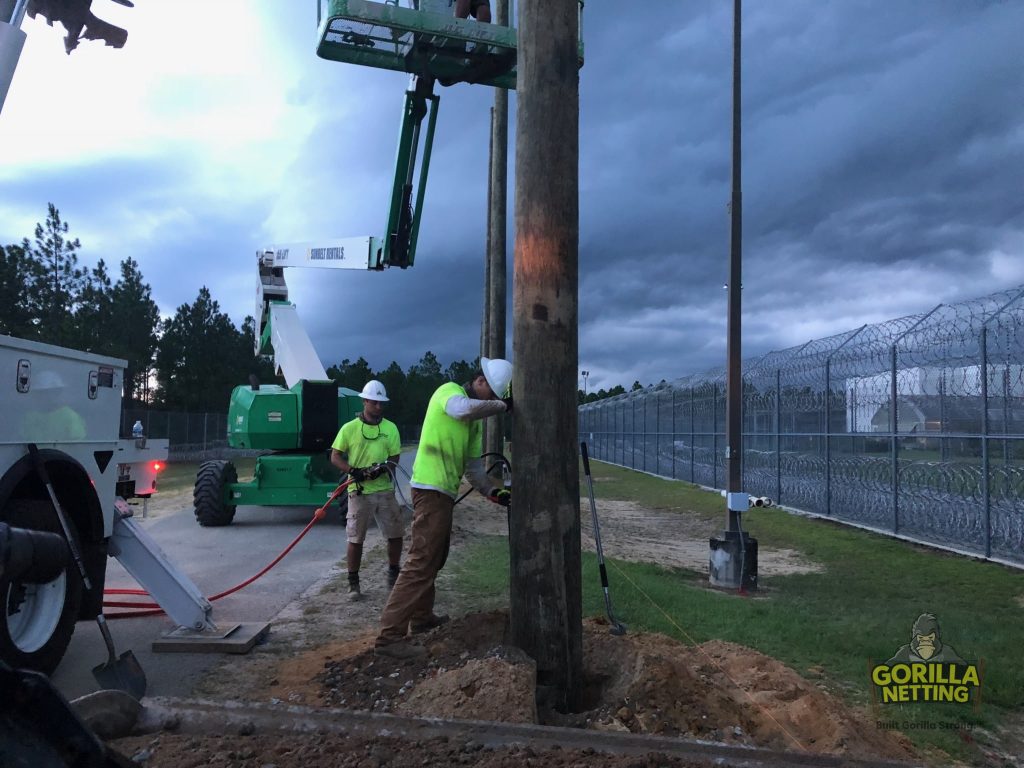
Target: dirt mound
point(644, 684)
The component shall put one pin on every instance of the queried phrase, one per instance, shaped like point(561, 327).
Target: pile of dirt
point(644, 684)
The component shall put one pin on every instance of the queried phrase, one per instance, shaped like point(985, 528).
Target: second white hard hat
point(374, 390)
point(498, 373)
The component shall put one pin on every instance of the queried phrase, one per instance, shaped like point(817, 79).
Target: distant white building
point(925, 397)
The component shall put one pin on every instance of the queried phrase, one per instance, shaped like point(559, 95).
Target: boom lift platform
point(424, 40)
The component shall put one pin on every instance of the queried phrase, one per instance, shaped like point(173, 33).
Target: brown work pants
point(412, 597)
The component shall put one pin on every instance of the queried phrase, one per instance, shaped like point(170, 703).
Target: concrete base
point(230, 638)
point(733, 561)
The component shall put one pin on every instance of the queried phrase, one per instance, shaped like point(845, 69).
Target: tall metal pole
point(732, 562)
point(497, 230)
point(544, 524)
point(734, 371)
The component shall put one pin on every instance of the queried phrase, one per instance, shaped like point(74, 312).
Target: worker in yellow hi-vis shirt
point(450, 446)
point(361, 449)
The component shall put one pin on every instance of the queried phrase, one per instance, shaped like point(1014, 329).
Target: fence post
point(673, 433)
point(894, 450)
point(778, 435)
point(985, 490)
point(943, 420)
point(714, 433)
point(693, 441)
point(1006, 414)
point(657, 436)
point(828, 437)
point(645, 434)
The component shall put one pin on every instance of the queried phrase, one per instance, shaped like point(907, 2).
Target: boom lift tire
point(208, 496)
point(38, 619)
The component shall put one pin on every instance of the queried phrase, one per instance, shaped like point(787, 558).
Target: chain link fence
point(191, 436)
point(912, 427)
point(203, 436)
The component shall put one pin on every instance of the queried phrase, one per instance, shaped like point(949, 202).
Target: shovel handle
point(108, 641)
point(586, 459)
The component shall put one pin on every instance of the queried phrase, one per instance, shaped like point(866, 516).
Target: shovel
point(618, 628)
point(124, 673)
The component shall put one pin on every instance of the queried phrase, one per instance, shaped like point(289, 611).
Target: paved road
point(215, 559)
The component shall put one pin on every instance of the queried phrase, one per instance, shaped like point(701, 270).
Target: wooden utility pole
point(544, 525)
point(485, 321)
point(497, 201)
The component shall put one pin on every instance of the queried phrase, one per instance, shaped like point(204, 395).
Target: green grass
point(860, 609)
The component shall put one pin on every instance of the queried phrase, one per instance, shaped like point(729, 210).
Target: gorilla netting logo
point(926, 670)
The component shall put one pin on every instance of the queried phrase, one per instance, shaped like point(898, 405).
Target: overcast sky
point(883, 170)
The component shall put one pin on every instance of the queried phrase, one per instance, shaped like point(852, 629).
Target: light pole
point(584, 374)
point(733, 556)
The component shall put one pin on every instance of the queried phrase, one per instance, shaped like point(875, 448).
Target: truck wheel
point(208, 496)
point(38, 619)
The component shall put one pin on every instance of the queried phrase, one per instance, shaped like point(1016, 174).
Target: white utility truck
point(66, 405)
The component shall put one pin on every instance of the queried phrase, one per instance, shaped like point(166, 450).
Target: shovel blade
point(123, 674)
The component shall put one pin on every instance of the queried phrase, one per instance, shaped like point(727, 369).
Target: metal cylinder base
point(732, 563)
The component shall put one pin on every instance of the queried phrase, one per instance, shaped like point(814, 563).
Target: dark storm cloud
point(881, 144)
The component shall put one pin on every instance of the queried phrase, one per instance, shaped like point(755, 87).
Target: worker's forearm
point(468, 409)
point(340, 462)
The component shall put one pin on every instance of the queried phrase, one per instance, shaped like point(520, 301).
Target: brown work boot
point(431, 622)
point(400, 650)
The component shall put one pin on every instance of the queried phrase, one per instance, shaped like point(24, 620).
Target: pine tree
point(19, 311)
point(134, 319)
point(60, 281)
point(200, 357)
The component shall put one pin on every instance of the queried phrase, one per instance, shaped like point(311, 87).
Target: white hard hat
point(498, 373)
point(374, 390)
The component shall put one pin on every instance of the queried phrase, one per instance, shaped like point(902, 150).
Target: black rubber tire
point(28, 646)
point(208, 495)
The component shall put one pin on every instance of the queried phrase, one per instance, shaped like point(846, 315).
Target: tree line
point(189, 361)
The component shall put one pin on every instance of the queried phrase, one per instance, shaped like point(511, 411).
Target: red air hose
point(152, 609)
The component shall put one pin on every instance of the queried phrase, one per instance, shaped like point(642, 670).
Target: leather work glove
point(372, 473)
point(358, 475)
point(508, 403)
point(501, 496)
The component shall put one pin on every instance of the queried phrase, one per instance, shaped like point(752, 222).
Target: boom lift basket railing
point(421, 42)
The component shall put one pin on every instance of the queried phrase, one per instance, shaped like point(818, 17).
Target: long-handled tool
point(618, 628)
point(124, 672)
